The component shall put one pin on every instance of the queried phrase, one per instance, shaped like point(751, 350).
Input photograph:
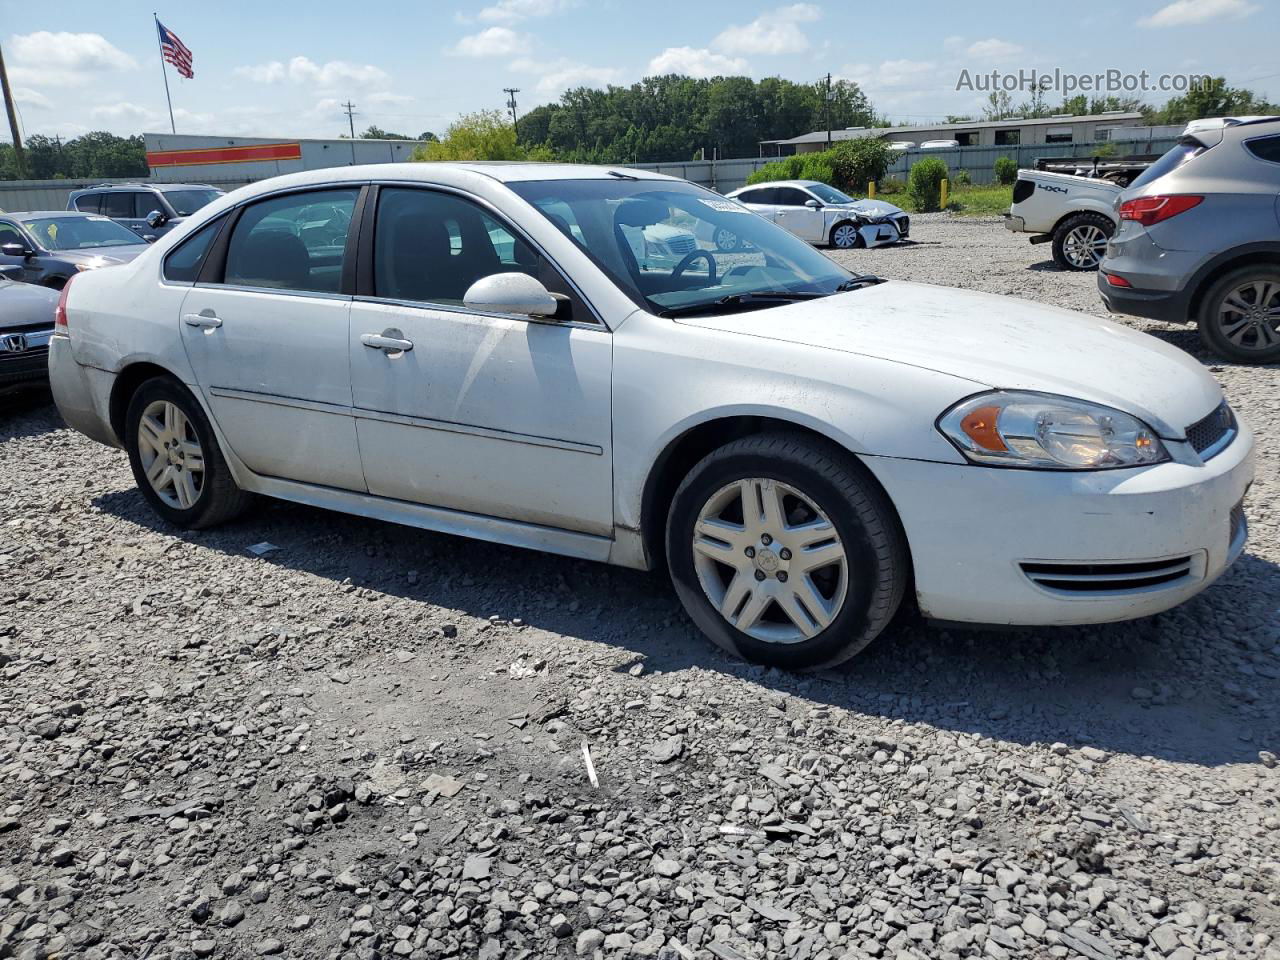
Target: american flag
point(175, 51)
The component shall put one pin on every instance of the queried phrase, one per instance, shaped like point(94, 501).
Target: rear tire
point(1240, 315)
point(1080, 242)
point(176, 460)
point(808, 584)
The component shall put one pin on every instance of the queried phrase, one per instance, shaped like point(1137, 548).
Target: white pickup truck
point(1076, 214)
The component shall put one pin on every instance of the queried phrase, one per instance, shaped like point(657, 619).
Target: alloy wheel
point(1249, 316)
point(770, 561)
point(845, 236)
point(1085, 246)
point(171, 455)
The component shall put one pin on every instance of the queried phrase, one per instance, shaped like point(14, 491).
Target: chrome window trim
point(486, 314)
point(504, 221)
point(279, 291)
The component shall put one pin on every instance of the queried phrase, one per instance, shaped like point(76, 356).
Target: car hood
point(999, 342)
point(103, 256)
point(23, 303)
point(873, 208)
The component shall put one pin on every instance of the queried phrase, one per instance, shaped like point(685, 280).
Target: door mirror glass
point(14, 250)
point(156, 219)
point(813, 204)
point(516, 293)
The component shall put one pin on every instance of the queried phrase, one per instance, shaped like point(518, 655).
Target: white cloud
point(953, 43)
point(386, 97)
point(27, 97)
point(121, 111)
point(776, 32)
point(134, 117)
point(304, 70)
point(1183, 12)
point(560, 75)
point(492, 42)
point(695, 63)
point(513, 11)
point(894, 74)
point(44, 59)
point(993, 49)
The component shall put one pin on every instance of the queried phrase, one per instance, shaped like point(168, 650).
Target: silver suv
point(148, 209)
point(1199, 238)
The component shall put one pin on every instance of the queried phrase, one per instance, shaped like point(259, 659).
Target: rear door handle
point(390, 341)
point(209, 320)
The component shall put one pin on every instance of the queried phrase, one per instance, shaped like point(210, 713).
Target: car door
point(491, 414)
point(804, 221)
point(11, 233)
point(266, 327)
point(122, 207)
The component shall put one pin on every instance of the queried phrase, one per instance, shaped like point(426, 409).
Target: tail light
point(1116, 281)
point(1151, 210)
point(60, 312)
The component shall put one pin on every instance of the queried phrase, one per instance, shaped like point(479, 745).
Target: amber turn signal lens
point(980, 426)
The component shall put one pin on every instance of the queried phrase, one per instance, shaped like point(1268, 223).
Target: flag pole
point(164, 73)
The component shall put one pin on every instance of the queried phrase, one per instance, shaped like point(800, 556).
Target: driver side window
point(790, 197)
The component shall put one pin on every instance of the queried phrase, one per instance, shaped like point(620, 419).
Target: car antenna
point(622, 176)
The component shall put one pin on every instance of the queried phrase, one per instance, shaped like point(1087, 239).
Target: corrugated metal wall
point(722, 175)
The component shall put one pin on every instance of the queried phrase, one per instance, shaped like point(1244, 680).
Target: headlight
point(1049, 433)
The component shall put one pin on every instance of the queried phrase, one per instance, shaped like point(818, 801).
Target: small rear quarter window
point(1265, 148)
point(183, 264)
point(89, 203)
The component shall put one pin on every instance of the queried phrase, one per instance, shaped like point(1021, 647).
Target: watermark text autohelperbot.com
point(1067, 84)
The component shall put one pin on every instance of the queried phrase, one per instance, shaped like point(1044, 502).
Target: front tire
point(1240, 315)
point(785, 552)
point(845, 236)
point(176, 460)
point(1080, 242)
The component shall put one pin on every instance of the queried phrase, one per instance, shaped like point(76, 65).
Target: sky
point(284, 69)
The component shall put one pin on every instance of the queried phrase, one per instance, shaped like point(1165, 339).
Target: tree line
point(92, 155)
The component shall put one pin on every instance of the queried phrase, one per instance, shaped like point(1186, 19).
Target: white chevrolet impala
point(477, 349)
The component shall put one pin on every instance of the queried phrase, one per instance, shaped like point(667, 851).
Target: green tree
point(377, 133)
point(487, 135)
point(1213, 99)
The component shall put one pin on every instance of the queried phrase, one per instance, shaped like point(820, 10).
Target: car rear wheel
point(175, 457)
point(845, 236)
point(784, 551)
point(1080, 242)
point(1240, 315)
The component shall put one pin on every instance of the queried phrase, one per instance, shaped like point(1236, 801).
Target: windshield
point(829, 194)
point(1187, 149)
point(187, 202)
point(79, 233)
point(675, 247)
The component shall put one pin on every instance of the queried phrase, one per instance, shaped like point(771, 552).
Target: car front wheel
point(175, 457)
point(1240, 315)
point(784, 551)
point(845, 236)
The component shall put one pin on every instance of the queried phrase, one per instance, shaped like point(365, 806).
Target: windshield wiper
point(755, 298)
point(860, 281)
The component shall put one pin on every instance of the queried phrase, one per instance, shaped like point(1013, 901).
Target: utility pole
point(351, 123)
point(826, 103)
point(18, 156)
point(511, 105)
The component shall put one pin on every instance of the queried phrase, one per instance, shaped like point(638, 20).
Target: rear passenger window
point(90, 203)
point(118, 206)
point(183, 264)
point(294, 242)
point(1265, 148)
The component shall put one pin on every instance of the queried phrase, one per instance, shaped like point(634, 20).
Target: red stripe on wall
point(247, 154)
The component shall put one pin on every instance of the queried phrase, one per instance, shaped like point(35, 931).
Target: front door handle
point(390, 341)
point(206, 318)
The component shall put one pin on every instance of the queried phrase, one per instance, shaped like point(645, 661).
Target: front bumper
point(972, 529)
point(24, 358)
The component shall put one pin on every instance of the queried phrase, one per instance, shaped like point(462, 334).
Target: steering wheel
point(683, 265)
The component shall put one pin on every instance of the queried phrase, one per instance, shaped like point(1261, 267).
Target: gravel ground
point(368, 743)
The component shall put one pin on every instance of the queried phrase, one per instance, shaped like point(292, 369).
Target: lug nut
point(784, 553)
point(751, 551)
point(782, 576)
point(766, 539)
point(759, 574)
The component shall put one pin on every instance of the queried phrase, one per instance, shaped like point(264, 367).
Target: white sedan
point(820, 213)
point(801, 447)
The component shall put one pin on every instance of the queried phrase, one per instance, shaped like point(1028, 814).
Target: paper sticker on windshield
point(99, 218)
point(724, 206)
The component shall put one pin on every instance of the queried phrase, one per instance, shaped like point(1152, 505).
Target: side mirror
point(156, 219)
point(15, 250)
point(516, 293)
point(813, 204)
point(11, 271)
point(150, 237)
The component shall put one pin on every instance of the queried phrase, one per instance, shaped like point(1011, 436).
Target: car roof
point(147, 186)
point(1218, 123)
point(49, 214)
point(454, 173)
point(782, 183)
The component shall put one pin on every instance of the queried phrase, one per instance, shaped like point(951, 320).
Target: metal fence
point(721, 175)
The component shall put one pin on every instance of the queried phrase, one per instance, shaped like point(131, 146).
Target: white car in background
point(799, 446)
point(820, 213)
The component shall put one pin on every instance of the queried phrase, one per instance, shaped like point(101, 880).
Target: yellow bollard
point(945, 184)
point(871, 190)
